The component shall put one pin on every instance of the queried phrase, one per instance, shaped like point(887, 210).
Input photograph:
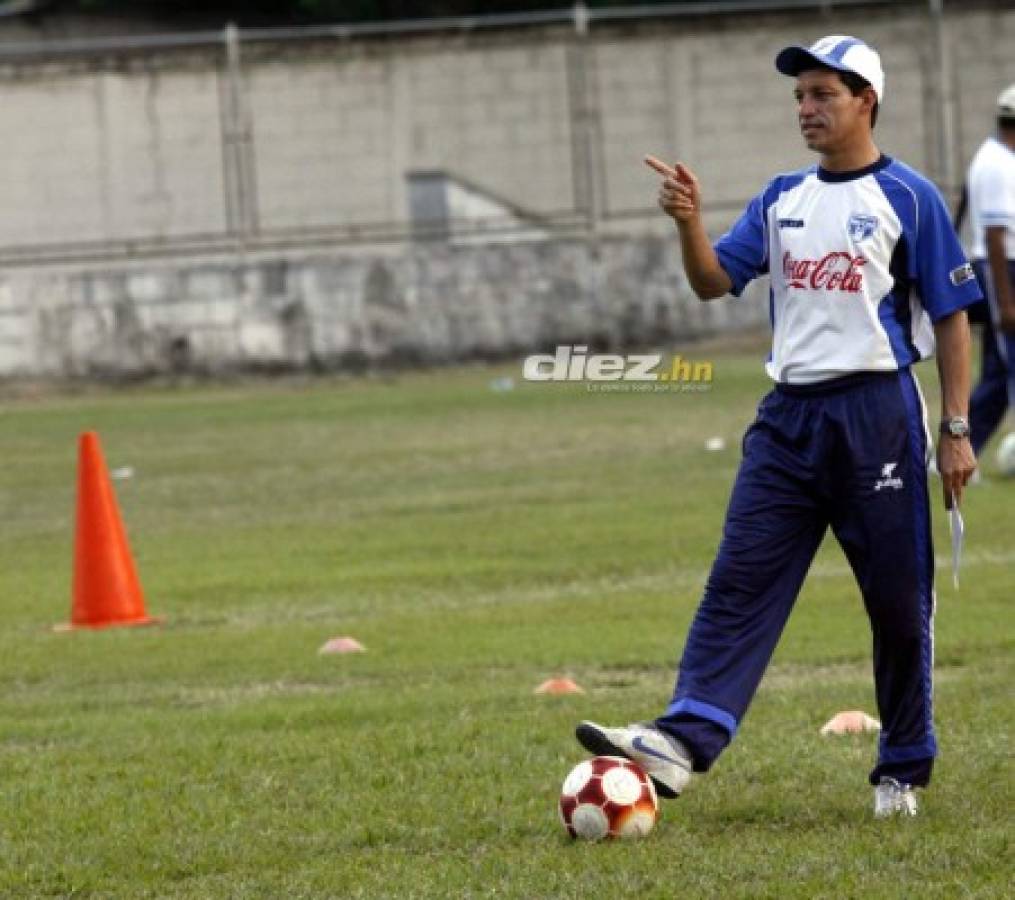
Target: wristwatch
point(956, 427)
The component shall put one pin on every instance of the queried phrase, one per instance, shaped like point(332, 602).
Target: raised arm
point(680, 198)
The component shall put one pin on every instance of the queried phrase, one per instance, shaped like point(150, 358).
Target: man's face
point(830, 116)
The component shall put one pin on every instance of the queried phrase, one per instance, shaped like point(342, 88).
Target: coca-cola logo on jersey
point(835, 271)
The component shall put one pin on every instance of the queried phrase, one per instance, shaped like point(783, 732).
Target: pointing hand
point(679, 193)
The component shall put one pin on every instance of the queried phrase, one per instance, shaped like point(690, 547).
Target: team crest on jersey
point(862, 226)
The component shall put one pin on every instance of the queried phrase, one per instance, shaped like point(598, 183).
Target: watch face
point(958, 427)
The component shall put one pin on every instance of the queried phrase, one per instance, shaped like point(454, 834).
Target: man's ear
point(869, 104)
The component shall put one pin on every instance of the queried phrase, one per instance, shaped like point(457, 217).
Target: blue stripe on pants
point(899, 755)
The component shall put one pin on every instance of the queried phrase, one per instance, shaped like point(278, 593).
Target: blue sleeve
point(938, 265)
point(743, 250)
point(935, 261)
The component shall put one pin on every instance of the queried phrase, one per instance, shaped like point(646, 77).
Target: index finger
point(660, 167)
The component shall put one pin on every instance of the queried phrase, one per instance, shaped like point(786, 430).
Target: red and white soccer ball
point(608, 797)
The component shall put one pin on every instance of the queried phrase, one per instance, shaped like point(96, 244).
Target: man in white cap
point(866, 272)
point(991, 190)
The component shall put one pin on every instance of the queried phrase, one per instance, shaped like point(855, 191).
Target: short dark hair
point(857, 84)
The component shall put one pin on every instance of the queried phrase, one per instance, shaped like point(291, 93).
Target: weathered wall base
point(429, 304)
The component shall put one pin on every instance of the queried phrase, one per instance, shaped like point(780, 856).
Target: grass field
point(477, 542)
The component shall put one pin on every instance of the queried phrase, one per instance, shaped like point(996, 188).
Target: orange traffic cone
point(106, 589)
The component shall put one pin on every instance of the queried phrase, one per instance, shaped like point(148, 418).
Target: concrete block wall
point(104, 155)
point(428, 304)
point(112, 149)
point(116, 148)
point(322, 157)
point(982, 67)
point(336, 134)
point(162, 150)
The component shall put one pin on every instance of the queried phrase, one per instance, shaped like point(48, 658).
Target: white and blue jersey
point(861, 264)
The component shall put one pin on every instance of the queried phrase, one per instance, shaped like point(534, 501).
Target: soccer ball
point(608, 797)
point(1006, 455)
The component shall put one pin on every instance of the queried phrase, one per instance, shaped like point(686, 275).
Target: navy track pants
point(850, 454)
point(994, 394)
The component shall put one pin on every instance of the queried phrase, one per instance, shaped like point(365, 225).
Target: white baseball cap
point(837, 51)
point(1006, 103)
